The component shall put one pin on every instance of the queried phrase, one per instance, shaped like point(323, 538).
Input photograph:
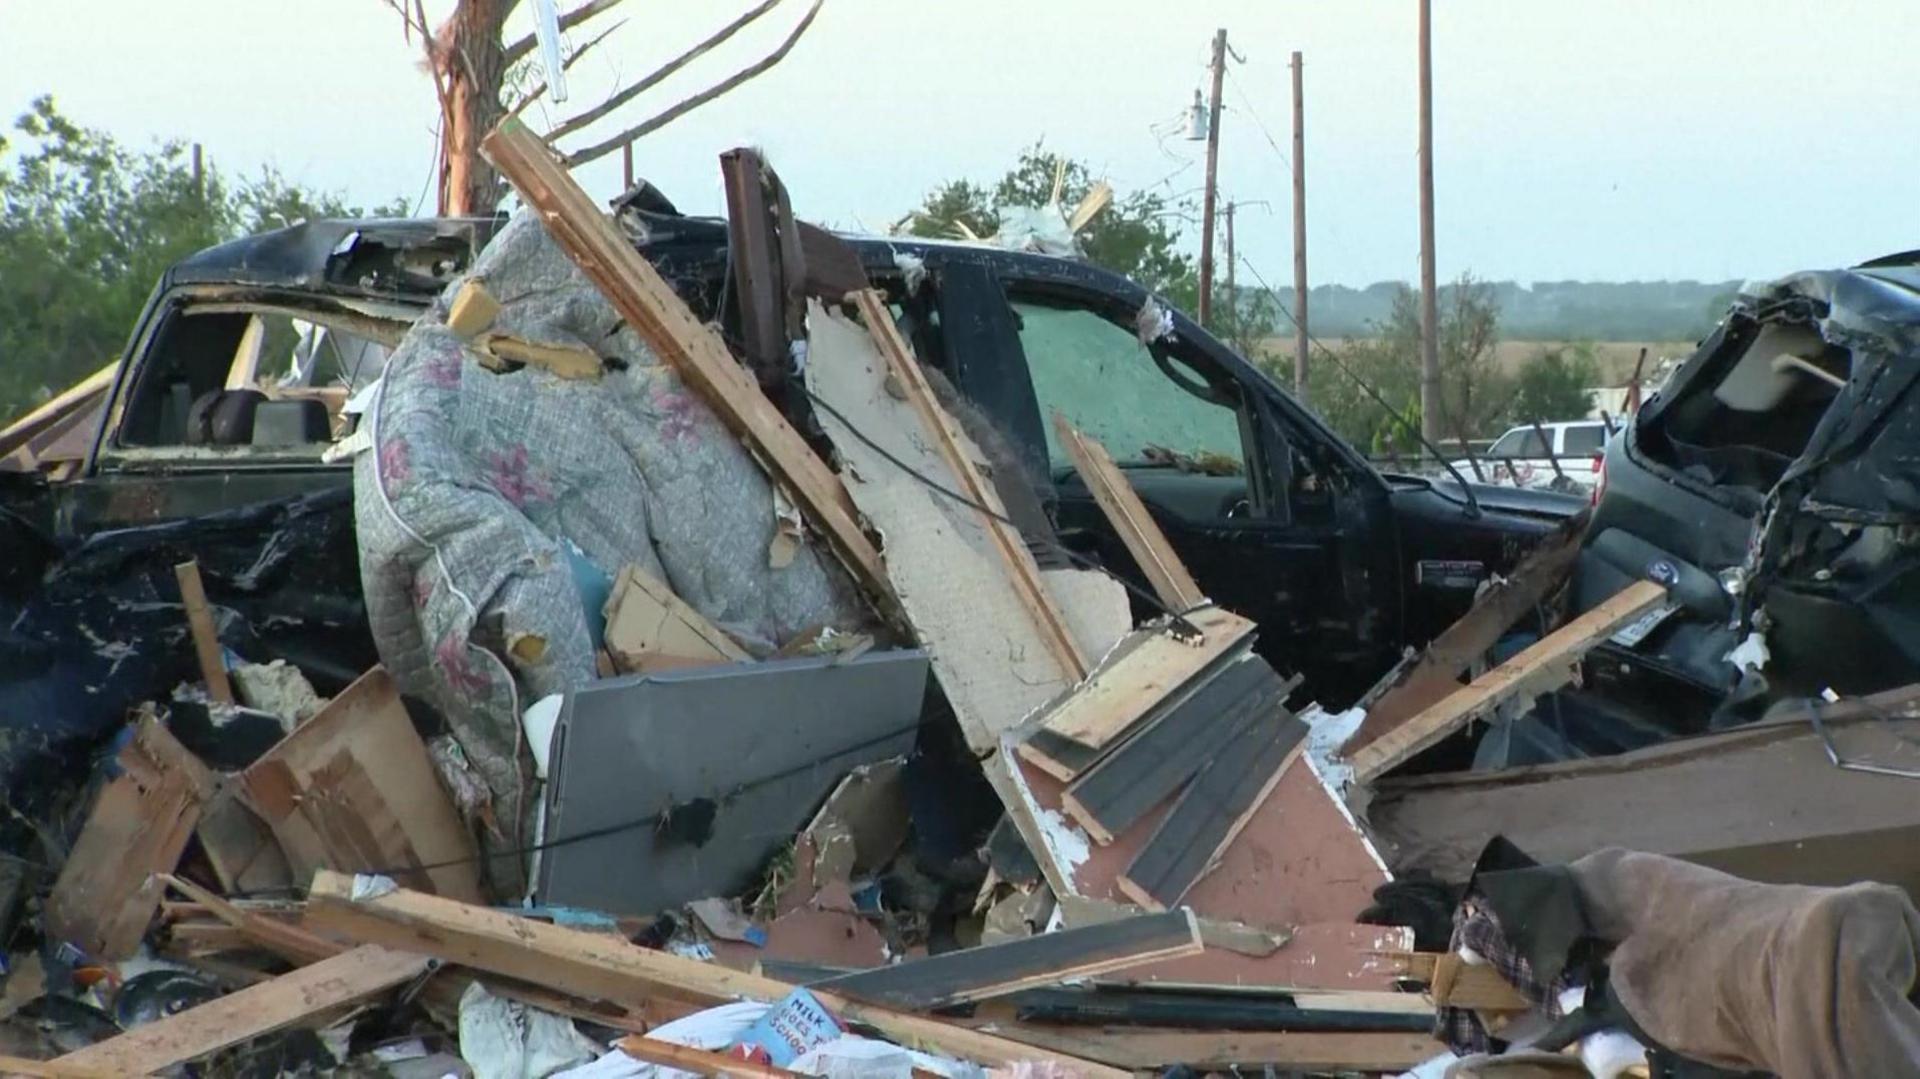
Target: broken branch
point(601, 149)
point(582, 119)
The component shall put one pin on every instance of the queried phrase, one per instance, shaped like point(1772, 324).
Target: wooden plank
point(1130, 518)
point(240, 847)
point(599, 966)
point(1478, 986)
point(649, 305)
point(50, 1069)
point(1215, 807)
point(686, 1058)
point(944, 432)
point(251, 1012)
point(206, 641)
point(1142, 1049)
point(1128, 782)
point(1045, 959)
point(1419, 685)
point(105, 896)
point(1150, 666)
point(289, 942)
point(1543, 666)
point(353, 789)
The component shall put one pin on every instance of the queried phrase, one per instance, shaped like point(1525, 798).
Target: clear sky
point(1628, 139)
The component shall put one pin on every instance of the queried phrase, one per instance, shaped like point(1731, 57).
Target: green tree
point(1554, 384)
point(88, 224)
point(1474, 394)
point(1139, 235)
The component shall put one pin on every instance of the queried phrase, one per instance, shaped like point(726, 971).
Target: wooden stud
point(945, 433)
point(1543, 666)
point(686, 1058)
point(995, 970)
point(649, 305)
point(1130, 518)
point(206, 641)
point(597, 966)
point(250, 1012)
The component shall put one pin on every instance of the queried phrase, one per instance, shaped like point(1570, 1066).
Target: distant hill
point(1546, 310)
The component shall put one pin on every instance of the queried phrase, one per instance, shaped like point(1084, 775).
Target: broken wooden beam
point(206, 640)
point(1129, 517)
point(250, 1012)
point(1543, 666)
point(1416, 686)
point(106, 895)
point(596, 966)
point(995, 970)
point(694, 350)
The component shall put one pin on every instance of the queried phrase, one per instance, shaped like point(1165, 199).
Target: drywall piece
point(352, 788)
point(1171, 746)
point(240, 847)
point(947, 570)
point(649, 628)
point(1143, 670)
point(1545, 665)
point(277, 688)
point(1098, 610)
point(1129, 517)
point(699, 775)
point(996, 970)
point(249, 1013)
point(968, 468)
point(650, 306)
point(106, 893)
point(1423, 683)
point(596, 966)
point(863, 823)
point(1211, 812)
point(1763, 802)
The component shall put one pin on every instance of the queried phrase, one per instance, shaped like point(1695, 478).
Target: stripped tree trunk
point(471, 66)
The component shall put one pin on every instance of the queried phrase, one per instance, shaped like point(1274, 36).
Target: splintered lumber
point(353, 789)
point(686, 1058)
point(289, 942)
point(206, 641)
point(1545, 665)
point(245, 856)
point(1152, 665)
point(649, 628)
point(1129, 517)
point(996, 970)
point(598, 966)
point(1021, 571)
point(250, 1012)
point(1127, 783)
point(105, 896)
point(649, 305)
point(1454, 983)
point(565, 361)
point(1212, 811)
point(1416, 686)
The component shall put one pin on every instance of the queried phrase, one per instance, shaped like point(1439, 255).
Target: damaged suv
point(1774, 485)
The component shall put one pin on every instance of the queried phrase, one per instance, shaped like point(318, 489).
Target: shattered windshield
point(1104, 380)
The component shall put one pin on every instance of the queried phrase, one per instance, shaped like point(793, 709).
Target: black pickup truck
point(239, 376)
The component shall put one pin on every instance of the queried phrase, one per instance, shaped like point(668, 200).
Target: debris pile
point(739, 711)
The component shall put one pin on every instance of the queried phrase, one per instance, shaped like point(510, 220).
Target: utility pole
point(626, 167)
point(1232, 296)
point(1299, 237)
point(199, 175)
point(1219, 68)
point(1429, 301)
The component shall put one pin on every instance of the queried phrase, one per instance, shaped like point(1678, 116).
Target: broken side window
point(226, 374)
point(1100, 376)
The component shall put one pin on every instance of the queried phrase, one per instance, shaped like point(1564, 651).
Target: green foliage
point(88, 224)
point(1554, 384)
point(1138, 235)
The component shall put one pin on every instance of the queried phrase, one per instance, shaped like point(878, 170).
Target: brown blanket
point(1796, 980)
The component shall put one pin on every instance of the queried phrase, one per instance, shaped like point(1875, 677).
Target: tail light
point(1599, 476)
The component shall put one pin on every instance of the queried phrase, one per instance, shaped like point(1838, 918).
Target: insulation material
point(476, 480)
